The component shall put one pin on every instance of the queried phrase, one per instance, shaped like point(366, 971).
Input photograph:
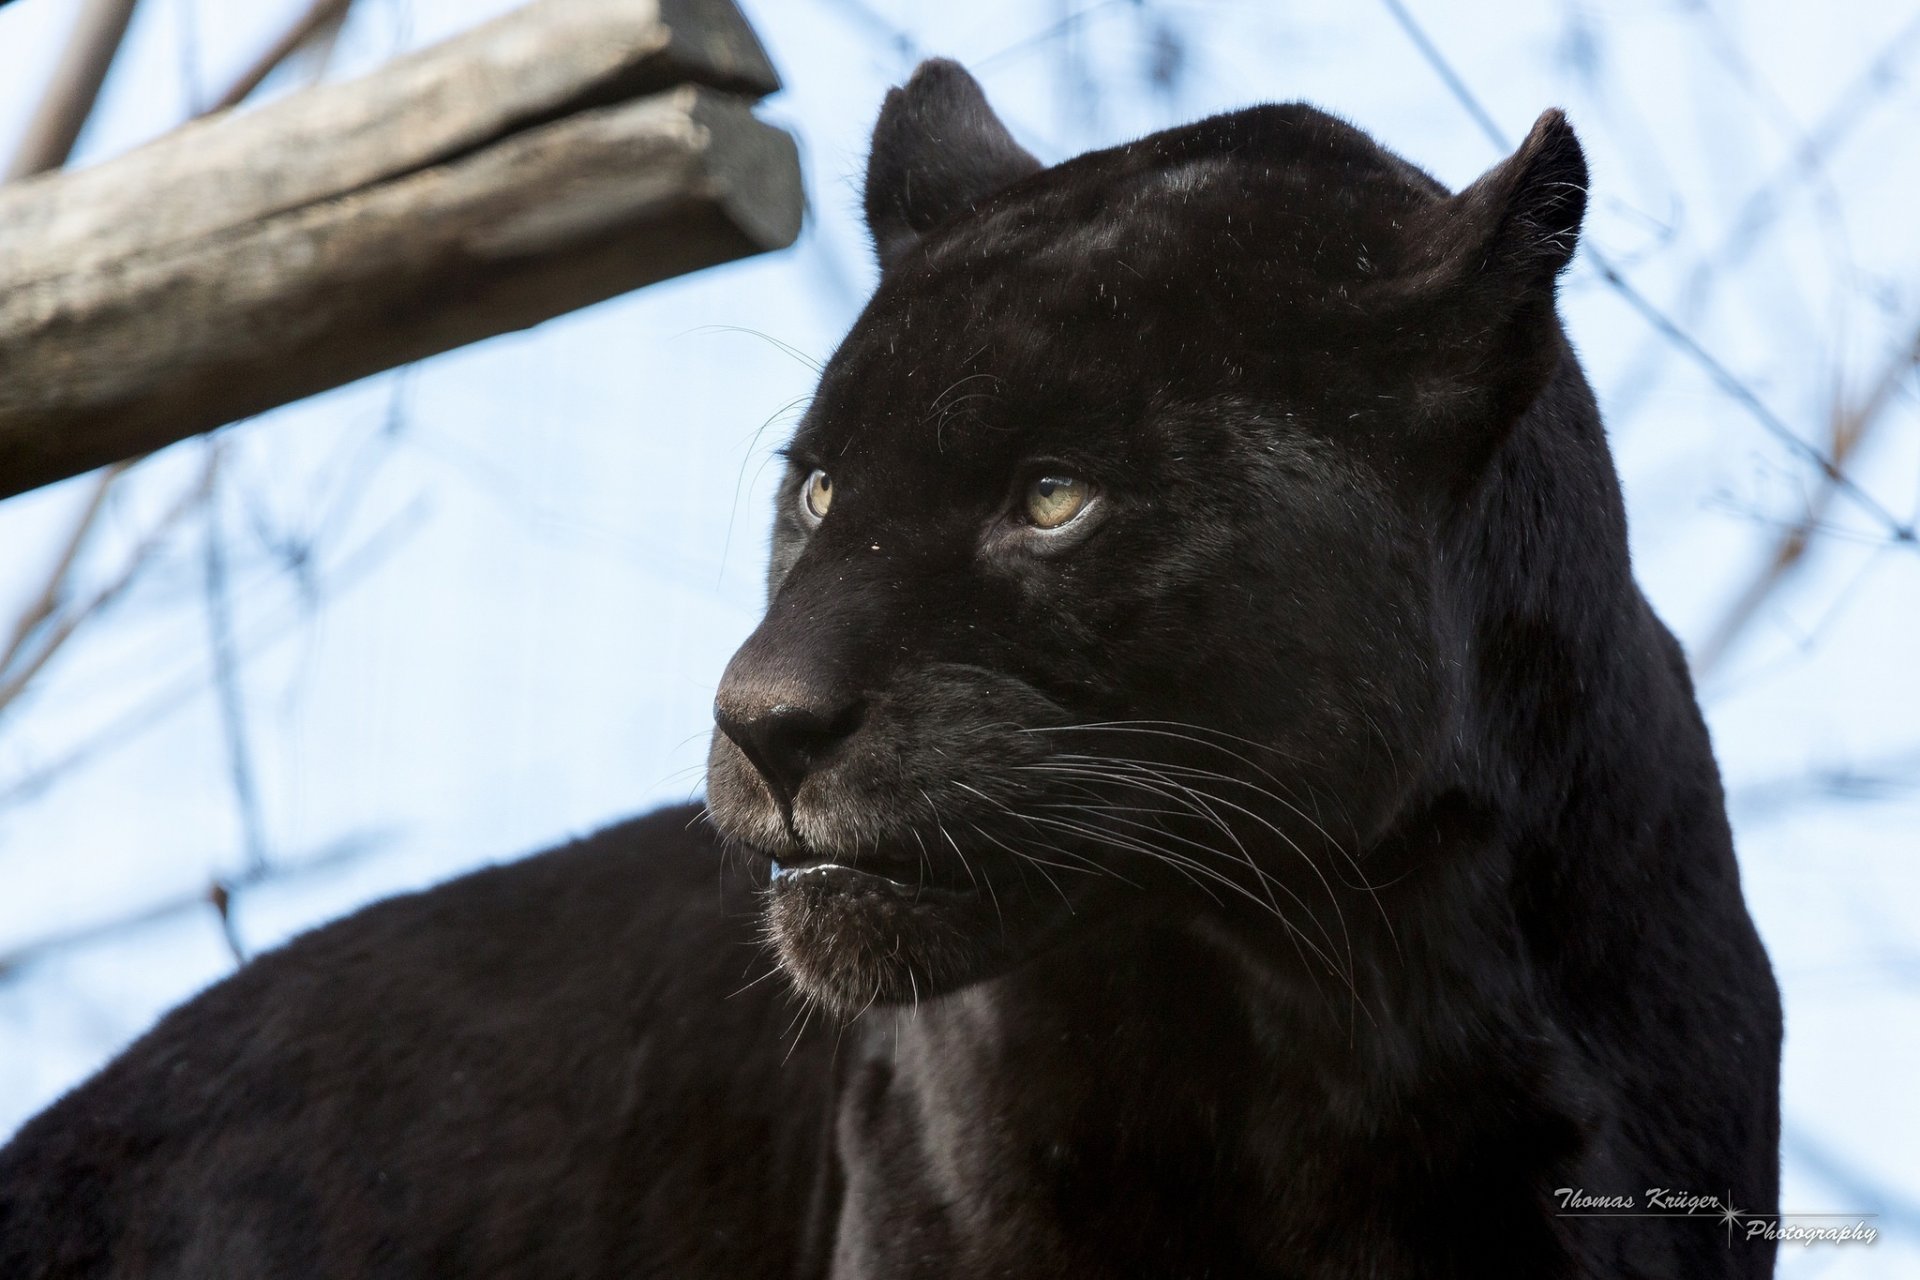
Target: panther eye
point(816, 496)
point(1053, 500)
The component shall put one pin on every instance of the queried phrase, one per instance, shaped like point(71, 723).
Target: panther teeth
point(784, 873)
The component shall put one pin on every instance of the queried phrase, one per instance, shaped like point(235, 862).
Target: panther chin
point(850, 938)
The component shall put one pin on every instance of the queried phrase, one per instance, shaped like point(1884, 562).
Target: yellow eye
point(816, 495)
point(1054, 500)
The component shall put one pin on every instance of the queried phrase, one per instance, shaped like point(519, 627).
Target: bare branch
point(321, 17)
point(217, 893)
point(21, 674)
point(127, 728)
point(1669, 330)
point(68, 102)
point(1850, 429)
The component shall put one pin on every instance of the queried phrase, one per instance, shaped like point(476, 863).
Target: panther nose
point(786, 740)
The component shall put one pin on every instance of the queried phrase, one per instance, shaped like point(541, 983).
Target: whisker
point(1087, 866)
point(1190, 797)
point(1192, 870)
point(1312, 864)
point(1194, 803)
point(1182, 860)
point(1364, 885)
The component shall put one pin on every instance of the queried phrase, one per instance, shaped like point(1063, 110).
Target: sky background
point(482, 602)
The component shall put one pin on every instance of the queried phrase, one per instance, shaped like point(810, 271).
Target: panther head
point(1106, 579)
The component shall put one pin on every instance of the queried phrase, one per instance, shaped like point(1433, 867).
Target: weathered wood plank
point(480, 186)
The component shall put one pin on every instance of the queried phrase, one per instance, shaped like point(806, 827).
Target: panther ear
point(1514, 230)
point(938, 150)
point(1482, 294)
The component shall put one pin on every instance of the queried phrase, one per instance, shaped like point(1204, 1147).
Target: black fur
point(539, 1070)
point(937, 152)
point(1303, 863)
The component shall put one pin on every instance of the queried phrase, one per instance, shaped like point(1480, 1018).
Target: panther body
point(1206, 772)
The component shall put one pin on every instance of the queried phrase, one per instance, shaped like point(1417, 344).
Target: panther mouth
point(888, 932)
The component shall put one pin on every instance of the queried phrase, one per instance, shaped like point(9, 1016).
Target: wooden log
point(525, 169)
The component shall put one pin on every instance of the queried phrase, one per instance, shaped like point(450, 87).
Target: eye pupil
point(1054, 500)
point(816, 495)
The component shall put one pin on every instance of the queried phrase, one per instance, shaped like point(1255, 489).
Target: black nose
point(787, 741)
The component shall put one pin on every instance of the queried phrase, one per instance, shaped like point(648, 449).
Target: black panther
point(1207, 798)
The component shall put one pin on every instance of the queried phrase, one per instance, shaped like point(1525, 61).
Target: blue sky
point(530, 559)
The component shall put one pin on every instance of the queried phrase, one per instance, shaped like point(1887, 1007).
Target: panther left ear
point(1514, 229)
point(1481, 288)
point(938, 150)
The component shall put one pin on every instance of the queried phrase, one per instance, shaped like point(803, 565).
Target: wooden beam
point(568, 152)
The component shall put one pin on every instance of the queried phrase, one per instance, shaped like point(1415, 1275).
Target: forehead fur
point(1269, 186)
point(1224, 257)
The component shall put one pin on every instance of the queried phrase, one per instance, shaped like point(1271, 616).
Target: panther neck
point(1578, 732)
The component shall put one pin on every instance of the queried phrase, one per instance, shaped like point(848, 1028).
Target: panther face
point(1104, 579)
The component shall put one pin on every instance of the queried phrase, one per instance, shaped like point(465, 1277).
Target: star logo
point(1730, 1216)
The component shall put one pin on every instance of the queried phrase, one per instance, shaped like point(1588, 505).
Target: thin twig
point(1766, 201)
point(220, 898)
point(1866, 1190)
point(1064, 26)
point(223, 654)
point(1879, 778)
point(126, 729)
point(47, 600)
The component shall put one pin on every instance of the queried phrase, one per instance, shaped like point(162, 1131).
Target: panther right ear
point(938, 151)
